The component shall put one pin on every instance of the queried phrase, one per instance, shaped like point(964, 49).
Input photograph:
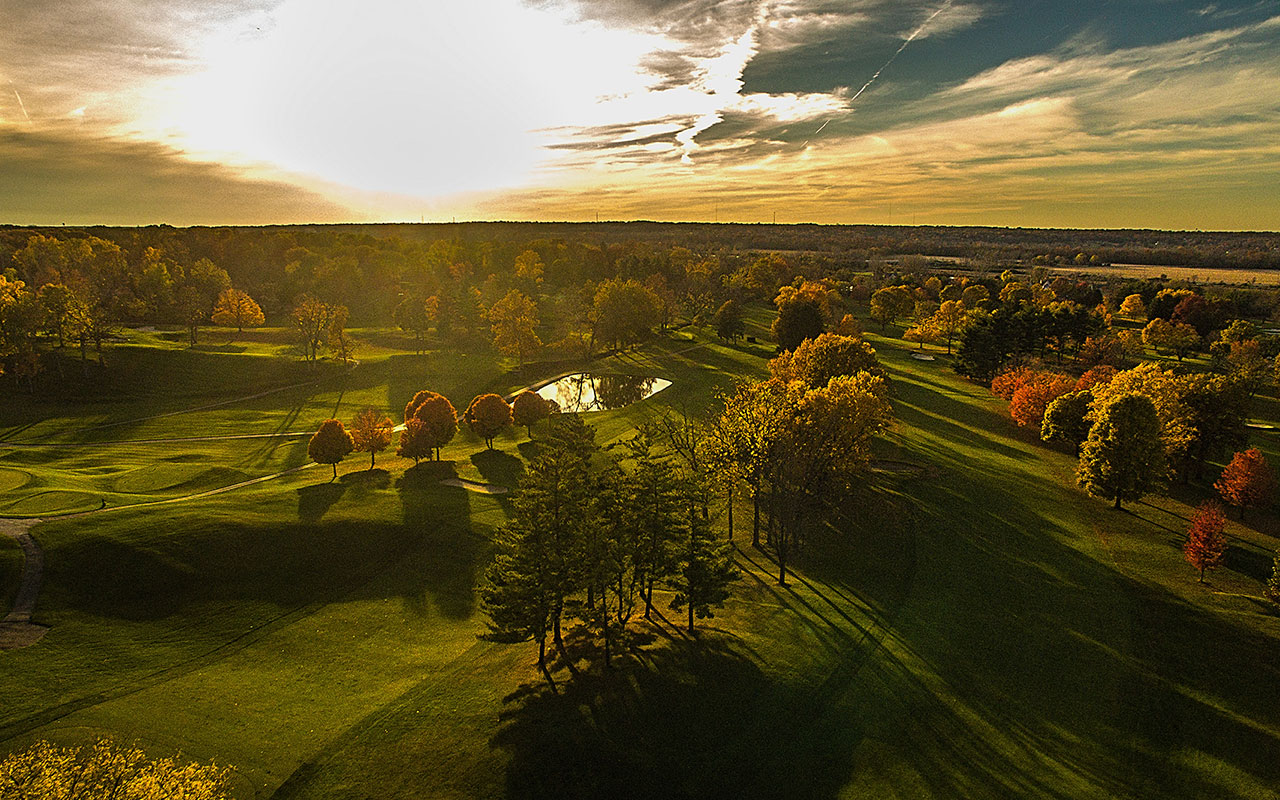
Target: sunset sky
point(1098, 113)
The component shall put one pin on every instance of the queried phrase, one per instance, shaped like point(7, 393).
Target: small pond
point(587, 392)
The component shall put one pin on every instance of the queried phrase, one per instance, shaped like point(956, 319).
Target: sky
point(1088, 113)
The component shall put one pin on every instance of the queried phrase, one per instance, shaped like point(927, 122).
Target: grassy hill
point(975, 628)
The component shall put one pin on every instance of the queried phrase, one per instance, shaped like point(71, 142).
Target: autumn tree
point(1123, 458)
point(1247, 482)
point(487, 416)
point(371, 433)
point(56, 302)
point(312, 319)
point(1032, 399)
point(816, 361)
point(623, 313)
point(949, 320)
point(890, 303)
point(330, 444)
point(514, 321)
point(1206, 543)
point(974, 297)
point(728, 321)
point(1176, 337)
point(340, 343)
point(1132, 307)
point(107, 770)
point(1273, 585)
point(415, 443)
point(528, 409)
point(238, 309)
point(438, 423)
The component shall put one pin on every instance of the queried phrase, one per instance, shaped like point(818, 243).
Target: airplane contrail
point(21, 104)
point(898, 52)
point(895, 55)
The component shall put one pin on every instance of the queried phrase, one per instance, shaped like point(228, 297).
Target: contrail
point(898, 52)
point(894, 57)
point(21, 104)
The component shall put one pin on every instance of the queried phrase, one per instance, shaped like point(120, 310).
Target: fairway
point(969, 624)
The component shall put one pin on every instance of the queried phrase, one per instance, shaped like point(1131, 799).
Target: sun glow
point(418, 99)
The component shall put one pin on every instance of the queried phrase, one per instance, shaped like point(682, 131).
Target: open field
point(1223, 275)
point(983, 630)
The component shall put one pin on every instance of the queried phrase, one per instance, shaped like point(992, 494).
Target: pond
point(587, 392)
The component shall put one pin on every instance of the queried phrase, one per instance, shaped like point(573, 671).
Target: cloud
point(56, 176)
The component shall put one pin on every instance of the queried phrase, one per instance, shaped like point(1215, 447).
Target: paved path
point(16, 629)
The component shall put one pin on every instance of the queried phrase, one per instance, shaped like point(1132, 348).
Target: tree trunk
point(1117, 505)
point(542, 662)
point(689, 600)
point(335, 471)
point(731, 514)
point(372, 456)
point(755, 517)
point(564, 654)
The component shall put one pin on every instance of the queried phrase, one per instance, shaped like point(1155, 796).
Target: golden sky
point(1097, 113)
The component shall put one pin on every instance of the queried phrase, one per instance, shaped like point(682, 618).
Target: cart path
point(16, 629)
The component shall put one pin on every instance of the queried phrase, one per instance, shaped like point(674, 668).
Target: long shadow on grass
point(450, 552)
point(696, 720)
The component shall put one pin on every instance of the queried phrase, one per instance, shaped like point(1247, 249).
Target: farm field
point(975, 628)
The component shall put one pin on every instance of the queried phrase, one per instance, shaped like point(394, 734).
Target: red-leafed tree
point(487, 416)
point(1029, 402)
point(528, 409)
point(438, 417)
point(1206, 541)
point(1247, 481)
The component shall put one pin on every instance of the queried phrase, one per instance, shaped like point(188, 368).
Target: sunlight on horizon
point(401, 98)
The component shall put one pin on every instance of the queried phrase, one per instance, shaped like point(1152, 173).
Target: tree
point(974, 297)
point(1030, 401)
point(1066, 419)
point(415, 443)
point(514, 321)
point(797, 321)
point(538, 565)
point(949, 320)
point(340, 343)
point(816, 361)
point(728, 321)
point(624, 312)
point(438, 422)
point(56, 302)
point(1248, 481)
point(237, 308)
point(107, 771)
point(416, 315)
point(487, 416)
point(1163, 335)
point(703, 569)
point(890, 303)
point(528, 409)
point(1206, 542)
point(312, 319)
point(1133, 308)
point(1123, 458)
point(371, 433)
point(1273, 586)
point(330, 444)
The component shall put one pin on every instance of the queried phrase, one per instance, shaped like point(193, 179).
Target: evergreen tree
point(1273, 585)
point(1123, 458)
point(703, 568)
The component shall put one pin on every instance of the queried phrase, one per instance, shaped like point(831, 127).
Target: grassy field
point(981, 630)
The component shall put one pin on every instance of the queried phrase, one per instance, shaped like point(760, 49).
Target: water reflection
point(587, 392)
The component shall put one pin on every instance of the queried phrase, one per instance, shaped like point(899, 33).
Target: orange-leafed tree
point(1206, 541)
point(438, 418)
point(371, 433)
point(330, 444)
point(487, 416)
point(1248, 481)
point(413, 442)
point(1028, 404)
point(1008, 382)
point(528, 409)
point(237, 308)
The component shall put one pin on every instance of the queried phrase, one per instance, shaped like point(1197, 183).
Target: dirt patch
point(474, 486)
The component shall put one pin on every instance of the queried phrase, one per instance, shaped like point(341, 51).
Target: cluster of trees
point(591, 536)
point(430, 422)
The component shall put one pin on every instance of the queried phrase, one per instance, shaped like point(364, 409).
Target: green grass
point(10, 572)
point(984, 630)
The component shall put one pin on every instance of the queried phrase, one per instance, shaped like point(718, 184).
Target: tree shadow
point(448, 558)
point(684, 721)
point(315, 500)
